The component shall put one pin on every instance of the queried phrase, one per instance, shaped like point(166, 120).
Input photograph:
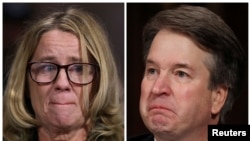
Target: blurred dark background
point(234, 14)
point(16, 15)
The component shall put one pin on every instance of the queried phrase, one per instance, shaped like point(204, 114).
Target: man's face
point(174, 91)
point(59, 103)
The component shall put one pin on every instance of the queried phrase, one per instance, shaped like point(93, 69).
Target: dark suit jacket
point(145, 137)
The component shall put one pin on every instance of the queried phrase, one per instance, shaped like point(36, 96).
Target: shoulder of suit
point(143, 137)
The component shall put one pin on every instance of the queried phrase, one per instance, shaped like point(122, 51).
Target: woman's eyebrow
point(75, 59)
point(46, 58)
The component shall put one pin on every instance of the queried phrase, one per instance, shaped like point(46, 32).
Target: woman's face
point(59, 103)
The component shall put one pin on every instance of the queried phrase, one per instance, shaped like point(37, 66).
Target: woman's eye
point(43, 68)
point(77, 68)
point(47, 68)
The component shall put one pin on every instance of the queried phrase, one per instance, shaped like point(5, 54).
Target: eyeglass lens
point(80, 73)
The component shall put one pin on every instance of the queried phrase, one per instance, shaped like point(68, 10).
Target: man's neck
point(191, 135)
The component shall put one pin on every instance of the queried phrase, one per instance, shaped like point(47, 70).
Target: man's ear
point(219, 96)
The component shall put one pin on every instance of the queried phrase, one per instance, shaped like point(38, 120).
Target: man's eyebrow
point(149, 61)
point(181, 65)
point(178, 64)
point(175, 65)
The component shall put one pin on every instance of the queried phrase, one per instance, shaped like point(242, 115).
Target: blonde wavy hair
point(102, 106)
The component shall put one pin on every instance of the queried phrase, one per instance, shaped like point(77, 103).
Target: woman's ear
point(219, 96)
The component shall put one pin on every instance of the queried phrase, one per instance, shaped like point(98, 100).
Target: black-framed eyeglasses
point(47, 72)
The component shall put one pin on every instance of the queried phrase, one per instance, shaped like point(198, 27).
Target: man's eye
point(151, 71)
point(181, 74)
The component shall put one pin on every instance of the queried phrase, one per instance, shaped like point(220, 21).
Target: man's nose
point(162, 85)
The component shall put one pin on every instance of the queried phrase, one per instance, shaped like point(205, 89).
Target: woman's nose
point(62, 81)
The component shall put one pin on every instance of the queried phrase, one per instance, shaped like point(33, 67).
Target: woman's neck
point(45, 134)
